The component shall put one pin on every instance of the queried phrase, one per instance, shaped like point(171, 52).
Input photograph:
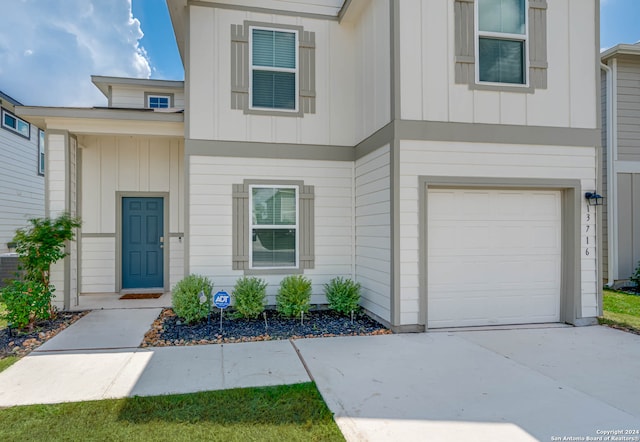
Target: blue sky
point(50, 48)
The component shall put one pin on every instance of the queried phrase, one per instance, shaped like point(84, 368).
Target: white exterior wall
point(373, 231)
point(352, 80)
point(133, 97)
point(126, 164)
point(210, 217)
point(21, 188)
point(424, 158)
point(427, 70)
point(372, 69)
point(56, 146)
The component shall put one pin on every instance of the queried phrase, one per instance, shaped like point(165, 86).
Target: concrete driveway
point(501, 385)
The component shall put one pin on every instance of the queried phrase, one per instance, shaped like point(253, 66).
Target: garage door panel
point(494, 257)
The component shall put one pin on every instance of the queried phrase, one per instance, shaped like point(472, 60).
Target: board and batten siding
point(604, 134)
point(424, 158)
point(628, 98)
point(427, 74)
point(21, 188)
point(352, 79)
point(134, 97)
point(628, 223)
point(112, 164)
point(373, 231)
point(210, 216)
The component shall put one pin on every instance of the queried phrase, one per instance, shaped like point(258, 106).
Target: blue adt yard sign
point(222, 299)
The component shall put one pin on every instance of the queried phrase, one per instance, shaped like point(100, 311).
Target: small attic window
point(156, 101)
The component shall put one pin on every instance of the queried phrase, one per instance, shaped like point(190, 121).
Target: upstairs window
point(501, 45)
point(15, 124)
point(274, 69)
point(158, 101)
point(502, 41)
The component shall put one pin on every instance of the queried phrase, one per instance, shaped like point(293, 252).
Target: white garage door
point(493, 257)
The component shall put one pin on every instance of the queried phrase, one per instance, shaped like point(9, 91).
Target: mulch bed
point(20, 343)
point(168, 330)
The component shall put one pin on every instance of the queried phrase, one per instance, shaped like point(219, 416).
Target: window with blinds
point(274, 69)
point(274, 226)
point(502, 38)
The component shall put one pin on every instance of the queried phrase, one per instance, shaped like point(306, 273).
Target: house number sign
point(588, 227)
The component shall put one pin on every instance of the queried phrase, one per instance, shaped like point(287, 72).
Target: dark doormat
point(141, 296)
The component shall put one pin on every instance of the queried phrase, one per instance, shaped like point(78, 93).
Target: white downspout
point(612, 181)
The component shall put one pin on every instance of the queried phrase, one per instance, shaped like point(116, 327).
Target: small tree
point(39, 245)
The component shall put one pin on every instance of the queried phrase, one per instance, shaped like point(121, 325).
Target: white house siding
point(210, 217)
point(604, 175)
point(372, 68)
point(373, 230)
point(113, 164)
point(424, 158)
point(21, 188)
point(56, 147)
point(133, 97)
point(351, 70)
point(427, 73)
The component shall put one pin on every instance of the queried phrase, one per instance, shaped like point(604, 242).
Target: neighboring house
point(621, 161)
point(21, 179)
point(436, 151)
point(22, 168)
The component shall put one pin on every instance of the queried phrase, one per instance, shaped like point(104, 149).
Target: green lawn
point(621, 309)
point(283, 413)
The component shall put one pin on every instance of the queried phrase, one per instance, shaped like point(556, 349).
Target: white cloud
point(50, 49)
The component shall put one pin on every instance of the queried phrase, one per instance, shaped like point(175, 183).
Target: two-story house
point(436, 151)
point(621, 162)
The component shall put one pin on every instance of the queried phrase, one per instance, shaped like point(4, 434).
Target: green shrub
point(185, 298)
point(294, 295)
point(26, 302)
point(250, 294)
point(39, 245)
point(635, 278)
point(343, 295)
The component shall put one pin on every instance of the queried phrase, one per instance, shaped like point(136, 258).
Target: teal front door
point(142, 243)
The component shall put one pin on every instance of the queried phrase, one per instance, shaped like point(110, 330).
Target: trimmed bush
point(294, 296)
point(343, 295)
point(250, 294)
point(26, 302)
point(185, 298)
point(635, 278)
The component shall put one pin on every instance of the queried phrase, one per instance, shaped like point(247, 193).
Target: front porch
point(110, 301)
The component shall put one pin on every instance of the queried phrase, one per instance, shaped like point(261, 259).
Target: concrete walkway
point(504, 385)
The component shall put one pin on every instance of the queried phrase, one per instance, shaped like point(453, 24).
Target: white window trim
point(18, 121)
point(279, 226)
point(295, 71)
point(149, 97)
point(41, 167)
point(502, 36)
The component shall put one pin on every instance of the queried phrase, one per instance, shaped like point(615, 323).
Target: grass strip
point(281, 413)
point(621, 310)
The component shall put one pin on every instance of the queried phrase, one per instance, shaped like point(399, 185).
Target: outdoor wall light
point(594, 198)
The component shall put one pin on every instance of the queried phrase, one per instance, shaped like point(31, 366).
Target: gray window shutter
point(240, 230)
point(307, 230)
point(307, 56)
point(239, 67)
point(538, 44)
point(465, 41)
